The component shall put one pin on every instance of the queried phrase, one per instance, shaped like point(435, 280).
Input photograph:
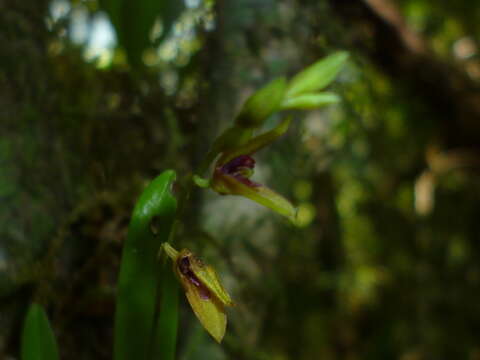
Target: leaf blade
point(140, 271)
point(317, 76)
point(38, 340)
point(165, 334)
point(310, 101)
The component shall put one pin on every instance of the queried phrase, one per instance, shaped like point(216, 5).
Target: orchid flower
point(235, 147)
point(234, 165)
point(203, 290)
point(234, 169)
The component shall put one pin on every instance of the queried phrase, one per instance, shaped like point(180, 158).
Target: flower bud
point(262, 104)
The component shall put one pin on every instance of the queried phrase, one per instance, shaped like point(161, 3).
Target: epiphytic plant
point(147, 294)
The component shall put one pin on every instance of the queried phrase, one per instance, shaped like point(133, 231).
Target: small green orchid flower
point(235, 167)
point(236, 145)
point(203, 289)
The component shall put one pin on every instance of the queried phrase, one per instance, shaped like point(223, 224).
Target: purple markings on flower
point(184, 265)
point(241, 169)
point(184, 268)
point(238, 163)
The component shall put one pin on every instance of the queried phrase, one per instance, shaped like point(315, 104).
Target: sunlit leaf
point(310, 101)
point(317, 76)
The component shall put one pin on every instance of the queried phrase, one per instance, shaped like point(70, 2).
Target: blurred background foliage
point(98, 97)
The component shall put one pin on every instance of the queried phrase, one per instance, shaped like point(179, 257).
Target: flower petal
point(229, 184)
point(203, 290)
point(208, 277)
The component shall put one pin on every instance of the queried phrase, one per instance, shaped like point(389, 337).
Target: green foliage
point(137, 333)
point(38, 340)
point(262, 104)
point(380, 243)
point(317, 76)
point(276, 96)
point(164, 338)
point(310, 101)
point(134, 20)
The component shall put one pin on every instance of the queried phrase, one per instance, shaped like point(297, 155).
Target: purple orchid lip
point(236, 168)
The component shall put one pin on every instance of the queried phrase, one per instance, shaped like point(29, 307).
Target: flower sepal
point(203, 290)
point(233, 178)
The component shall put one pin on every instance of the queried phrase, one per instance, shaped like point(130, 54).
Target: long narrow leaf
point(38, 340)
point(165, 335)
point(140, 272)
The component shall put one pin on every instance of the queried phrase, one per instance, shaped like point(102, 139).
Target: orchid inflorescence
point(233, 169)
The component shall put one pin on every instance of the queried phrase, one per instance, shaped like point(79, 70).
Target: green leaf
point(136, 331)
point(165, 335)
point(38, 340)
point(318, 75)
point(133, 22)
point(262, 104)
point(310, 101)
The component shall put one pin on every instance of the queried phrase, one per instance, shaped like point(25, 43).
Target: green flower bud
point(318, 75)
point(262, 104)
